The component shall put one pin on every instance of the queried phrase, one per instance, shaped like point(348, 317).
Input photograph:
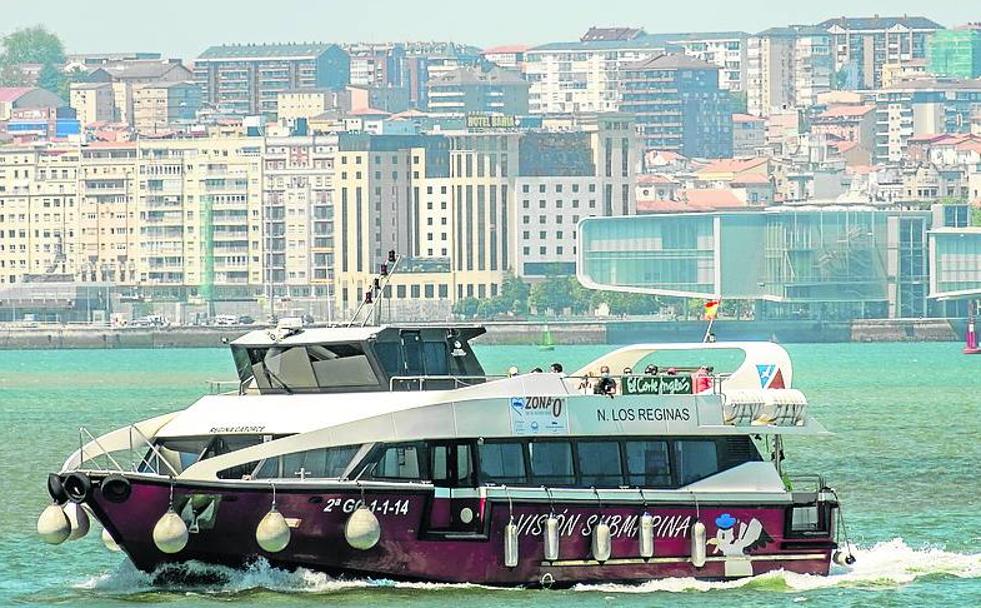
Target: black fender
point(56, 489)
point(78, 487)
point(116, 488)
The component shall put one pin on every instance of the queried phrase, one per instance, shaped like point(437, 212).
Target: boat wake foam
point(219, 580)
point(886, 564)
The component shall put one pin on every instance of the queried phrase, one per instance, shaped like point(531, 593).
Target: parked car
point(245, 320)
point(148, 321)
point(226, 320)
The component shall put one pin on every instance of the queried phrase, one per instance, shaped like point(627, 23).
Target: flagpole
point(708, 330)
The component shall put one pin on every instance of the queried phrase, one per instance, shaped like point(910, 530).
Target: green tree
point(32, 45)
point(557, 294)
point(515, 292)
point(466, 308)
point(52, 79)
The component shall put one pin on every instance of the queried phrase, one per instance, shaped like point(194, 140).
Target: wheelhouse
point(357, 359)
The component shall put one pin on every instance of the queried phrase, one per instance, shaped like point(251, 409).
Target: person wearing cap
point(512, 371)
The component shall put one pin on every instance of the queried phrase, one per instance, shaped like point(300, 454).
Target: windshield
point(307, 368)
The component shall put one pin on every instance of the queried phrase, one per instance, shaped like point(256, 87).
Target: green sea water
point(904, 458)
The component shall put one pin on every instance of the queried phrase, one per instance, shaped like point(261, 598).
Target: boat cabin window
point(551, 463)
point(452, 464)
point(695, 459)
point(599, 463)
point(397, 461)
point(647, 463)
point(182, 452)
point(310, 367)
point(502, 463)
point(319, 463)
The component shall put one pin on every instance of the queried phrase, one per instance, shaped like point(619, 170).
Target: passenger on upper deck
point(586, 384)
point(512, 371)
point(606, 385)
point(702, 379)
point(651, 370)
point(556, 368)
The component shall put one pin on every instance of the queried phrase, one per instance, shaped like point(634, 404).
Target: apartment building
point(920, 108)
point(92, 102)
point(748, 134)
point(246, 79)
point(38, 211)
point(108, 240)
point(163, 106)
point(305, 103)
point(787, 68)
point(124, 75)
point(474, 90)
point(584, 75)
point(298, 215)
point(862, 45)
point(679, 105)
point(596, 180)
point(727, 50)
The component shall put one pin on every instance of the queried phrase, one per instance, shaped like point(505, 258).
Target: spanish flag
point(711, 309)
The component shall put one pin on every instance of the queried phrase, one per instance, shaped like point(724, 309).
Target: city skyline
point(117, 30)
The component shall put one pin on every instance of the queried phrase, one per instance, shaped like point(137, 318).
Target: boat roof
point(333, 335)
point(765, 364)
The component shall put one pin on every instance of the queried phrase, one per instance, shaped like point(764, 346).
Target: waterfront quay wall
point(619, 331)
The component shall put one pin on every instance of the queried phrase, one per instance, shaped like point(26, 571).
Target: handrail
point(153, 449)
point(216, 387)
point(95, 440)
point(457, 380)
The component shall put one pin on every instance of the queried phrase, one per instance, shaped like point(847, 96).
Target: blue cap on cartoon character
point(725, 521)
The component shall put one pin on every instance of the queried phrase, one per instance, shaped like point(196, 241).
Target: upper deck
point(356, 359)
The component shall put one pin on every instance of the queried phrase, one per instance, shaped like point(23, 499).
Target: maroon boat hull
point(418, 541)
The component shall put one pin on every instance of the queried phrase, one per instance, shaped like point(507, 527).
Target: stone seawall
point(621, 331)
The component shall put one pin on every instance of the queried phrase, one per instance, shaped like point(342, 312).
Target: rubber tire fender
point(78, 487)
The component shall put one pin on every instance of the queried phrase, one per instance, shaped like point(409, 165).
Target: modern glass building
point(794, 262)
point(955, 263)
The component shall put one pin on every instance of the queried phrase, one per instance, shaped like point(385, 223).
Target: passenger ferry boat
point(388, 452)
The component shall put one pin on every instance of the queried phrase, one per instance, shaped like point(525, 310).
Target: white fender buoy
point(273, 533)
point(110, 542)
point(698, 544)
point(646, 532)
point(511, 545)
point(362, 529)
point(170, 532)
point(79, 520)
point(53, 526)
point(551, 538)
point(601, 542)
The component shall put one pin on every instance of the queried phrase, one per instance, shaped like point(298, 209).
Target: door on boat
point(456, 504)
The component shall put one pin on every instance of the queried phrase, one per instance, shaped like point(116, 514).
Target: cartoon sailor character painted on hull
point(736, 543)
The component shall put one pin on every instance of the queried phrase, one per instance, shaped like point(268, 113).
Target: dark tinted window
point(502, 463)
point(647, 463)
point(318, 463)
point(451, 464)
point(551, 463)
point(695, 459)
point(404, 461)
point(599, 463)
